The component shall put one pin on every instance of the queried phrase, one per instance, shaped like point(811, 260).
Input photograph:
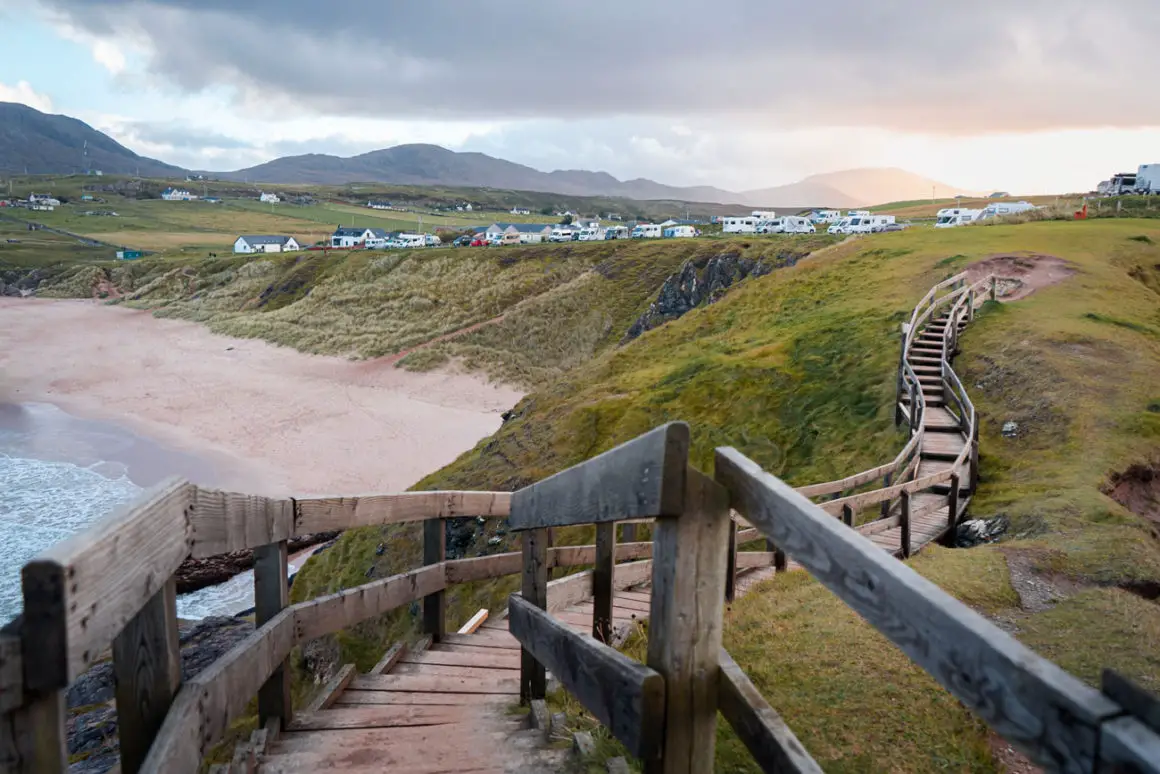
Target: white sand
point(272, 420)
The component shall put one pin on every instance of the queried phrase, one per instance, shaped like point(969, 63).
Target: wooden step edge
point(333, 688)
point(474, 622)
point(389, 659)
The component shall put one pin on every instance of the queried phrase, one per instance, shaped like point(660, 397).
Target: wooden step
point(943, 445)
point(940, 420)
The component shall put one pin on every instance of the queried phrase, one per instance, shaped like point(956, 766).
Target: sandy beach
point(265, 419)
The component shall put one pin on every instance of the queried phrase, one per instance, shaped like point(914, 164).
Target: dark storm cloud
point(898, 64)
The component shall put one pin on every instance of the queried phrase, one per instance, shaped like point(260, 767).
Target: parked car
point(479, 242)
point(509, 239)
point(463, 241)
point(894, 227)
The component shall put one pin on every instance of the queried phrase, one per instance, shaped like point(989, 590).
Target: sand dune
point(272, 420)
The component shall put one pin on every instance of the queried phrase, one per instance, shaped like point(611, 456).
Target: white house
point(177, 195)
point(521, 211)
point(269, 198)
point(530, 233)
point(733, 224)
point(256, 243)
point(378, 238)
point(350, 236)
point(46, 199)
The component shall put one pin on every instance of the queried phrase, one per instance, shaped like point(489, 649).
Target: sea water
point(60, 473)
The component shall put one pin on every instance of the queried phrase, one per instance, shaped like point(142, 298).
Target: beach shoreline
point(264, 419)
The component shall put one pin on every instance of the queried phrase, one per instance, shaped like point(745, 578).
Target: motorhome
point(411, 240)
point(561, 234)
point(679, 232)
point(591, 234)
point(868, 224)
point(646, 231)
point(826, 216)
point(431, 240)
point(999, 209)
point(857, 213)
point(1148, 179)
point(1120, 184)
point(739, 225)
point(766, 215)
point(839, 227)
point(616, 232)
point(788, 224)
point(950, 217)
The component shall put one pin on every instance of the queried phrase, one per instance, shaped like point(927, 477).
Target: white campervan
point(411, 240)
point(999, 209)
point(646, 231)
point(950, 217)
point(788, 224)
point(739, 225)
point(826, 216)
point(591, 234)
point(561, 234)
point(839, 227)
point(616, 232)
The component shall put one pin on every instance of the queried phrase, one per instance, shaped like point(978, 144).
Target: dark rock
point(977, 532)
point(704, 281)
point(194, 574)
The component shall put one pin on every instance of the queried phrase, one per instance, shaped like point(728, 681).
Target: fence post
point(952, 512)
point(628, 533)
point(685, 623)
point(533, 676)
point(973, 473)
point(900, 381)
point(731, 562)
point(434, 552)
point(602, 581)
point(994, 288)
point(847, 515)
point(146, 674)
point(913, 407)
point(886, 503)
point(271, 595)
point(904, 523)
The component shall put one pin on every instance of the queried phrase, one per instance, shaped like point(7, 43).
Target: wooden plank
point(271, 596)
point(82, 591)
point(573, 556)
point(1127, 746)
point(222, 522)
point(435, 603)
point(501, 659)
point(904, 524)
point(455, 671)
point(381, 716)
point(602, 584)
point(389, 659)
point(422, 684)
point(331, 690)
point(323, 514)
point(146, 674)
point(11, 666)
point(731, 562)
point(357, 698)
point(632, 574)
point(208, 704)
point(473, 623)
point(685, 624)
point(747, 535)
point(484, 567)
point(624, 695)
point(1046, 713)
point(535, 589)
point(749, 559)
point(642, 478)
point(39, 731)
point(569, 590)
point(335, 612)
point(482, 638)
point(1136, 701)
point(769, 740)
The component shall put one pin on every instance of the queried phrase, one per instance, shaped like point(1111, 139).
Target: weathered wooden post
point(628, 533)
point(434, 552)
point(847, 515)
point(952, 512)
point(533, 676)
point(731, 562)
point(973, 476)
point(603, 571)
point(271, 595)
point(913, 408)
point(886, 502)
point(901, 376)
point(994, 288)
point(685, 622)
point(904, 523)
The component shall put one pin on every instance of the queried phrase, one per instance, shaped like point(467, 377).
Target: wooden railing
point(110, 590)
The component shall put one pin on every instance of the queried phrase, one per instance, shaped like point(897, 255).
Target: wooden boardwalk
point(446, 708)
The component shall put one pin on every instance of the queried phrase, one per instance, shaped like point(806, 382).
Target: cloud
point(23, 93)
point(902, 65)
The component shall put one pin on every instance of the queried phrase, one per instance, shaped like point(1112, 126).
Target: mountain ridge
point(44, 143)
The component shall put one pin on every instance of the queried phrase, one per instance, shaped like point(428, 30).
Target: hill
point(855, 188)
point(44, 144)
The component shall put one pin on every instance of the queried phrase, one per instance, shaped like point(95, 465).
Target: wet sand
point(236, 413)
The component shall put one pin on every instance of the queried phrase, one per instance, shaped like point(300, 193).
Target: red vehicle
point(479, 243)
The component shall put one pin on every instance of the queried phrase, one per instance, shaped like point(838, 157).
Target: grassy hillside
point(796, 370)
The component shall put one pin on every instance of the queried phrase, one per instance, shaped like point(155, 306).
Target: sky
point(1029, 96)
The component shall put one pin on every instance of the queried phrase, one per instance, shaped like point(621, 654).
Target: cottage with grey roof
point(265, 243)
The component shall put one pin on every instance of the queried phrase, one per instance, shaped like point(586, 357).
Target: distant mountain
point(46, 144)
point(52, 144)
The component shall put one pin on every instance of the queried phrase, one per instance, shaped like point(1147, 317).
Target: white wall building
point(256, 243)
point(178, 195)
point(269, 198)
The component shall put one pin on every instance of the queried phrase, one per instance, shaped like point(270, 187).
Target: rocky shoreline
point(195, 574)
